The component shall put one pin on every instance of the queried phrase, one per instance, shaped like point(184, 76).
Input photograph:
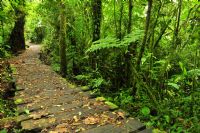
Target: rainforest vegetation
point(142, 55)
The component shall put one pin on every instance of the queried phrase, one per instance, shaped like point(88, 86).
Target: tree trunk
point(176, 29)
point(72, 37)
point(62, 38)
point(148, 17)
point(128, 63)
point(130, 15)
point(2, 28)
point(17, 40)
point(120, 20)
point(115, 19)
point(2, 23)
point(97, 16)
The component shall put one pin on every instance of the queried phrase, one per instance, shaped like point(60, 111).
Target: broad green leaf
point(27, 111)
point(167, 118)
point(101, 99)
point(3, 131)
point(18, 101)
point(112, 106)
point(183, 68)
point(85, 88)
point(145, 111)
point(158, 131)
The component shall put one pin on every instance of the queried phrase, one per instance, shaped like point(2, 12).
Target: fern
point(112, 42)
point(194, 73)
point(106, 43)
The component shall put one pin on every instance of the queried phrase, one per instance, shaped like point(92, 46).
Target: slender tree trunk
point(75, 68)
point(148, 17)
point(162, 32)
point(120, 20)
point(2, 28)
point(138, 62)
point(97, 16)
point(62, 39)
point(115, 19)
point(2, 23)
point(130, 3)
point(128, 63)
point(176, 29)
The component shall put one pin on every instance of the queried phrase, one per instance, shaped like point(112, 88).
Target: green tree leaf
point(145, 111)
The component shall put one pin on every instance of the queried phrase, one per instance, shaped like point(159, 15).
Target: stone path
point(48, 103)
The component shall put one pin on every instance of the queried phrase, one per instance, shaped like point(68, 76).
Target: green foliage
point(93, 83)
point(163, 90)
point(38, 35)
point(18, 101)
point(113, 43)
point(101, 99)
point(56, 67)
point(4, 108)
point(145, 111)
point(96, 83)
point(112, 106)
point(27, 111)
point(174, 85)
point(3, 131)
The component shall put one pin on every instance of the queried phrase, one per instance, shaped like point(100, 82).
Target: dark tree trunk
point(130, 15)
point(72, 37)
point(128, 63)
point(120, 20)
point(17, 40)
point(62, 37)
point(97, 16)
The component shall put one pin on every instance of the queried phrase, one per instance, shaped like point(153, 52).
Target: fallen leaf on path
point(121, 115)
point(38, 115)
point(62, 128)
point(76, 124)
point(53, 132)
point(75, 118)
point(79, 113)
point(80, 129)
point(57, 105)
point(52, 120)
point(91, 120)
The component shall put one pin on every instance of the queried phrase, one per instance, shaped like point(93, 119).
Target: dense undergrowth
point(175, 109)
point(164, 91)
point(7, 104)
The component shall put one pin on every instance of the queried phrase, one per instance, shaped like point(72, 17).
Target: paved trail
point(53, 105)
